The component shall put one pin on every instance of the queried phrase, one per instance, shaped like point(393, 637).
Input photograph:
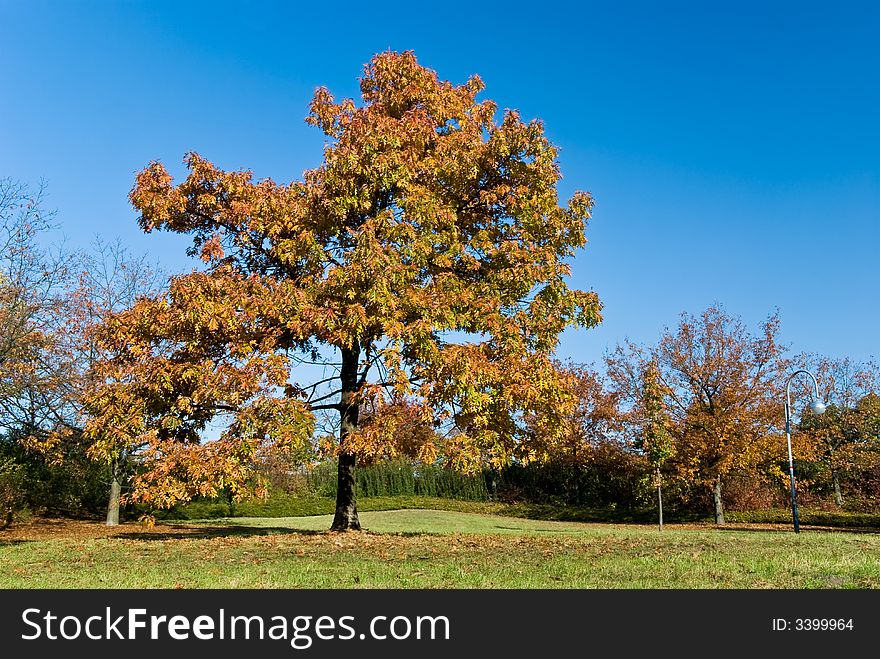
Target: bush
point(608, 477)
point(12, 497)
point(284, 472)
point(749, 490)
point(808, 517)
point(77, 486)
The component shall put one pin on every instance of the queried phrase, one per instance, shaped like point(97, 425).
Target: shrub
point(75, 486)
point(608, 477)
point(12, 497)
point(284, 472)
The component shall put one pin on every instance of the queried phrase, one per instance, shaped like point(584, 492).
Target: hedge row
point(389, 479)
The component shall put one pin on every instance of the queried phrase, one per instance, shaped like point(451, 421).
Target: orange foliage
point(429, 250)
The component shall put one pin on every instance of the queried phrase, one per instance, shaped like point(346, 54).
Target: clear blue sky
point(733, 151)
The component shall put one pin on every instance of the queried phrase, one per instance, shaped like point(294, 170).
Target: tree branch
point(333, 406)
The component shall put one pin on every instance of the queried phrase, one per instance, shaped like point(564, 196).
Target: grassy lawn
point(432, 549)
point(303, 505)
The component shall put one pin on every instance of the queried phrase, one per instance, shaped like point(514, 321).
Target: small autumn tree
point(656, 439)
point(421, 267)
point(643, 416)
point(721, 385)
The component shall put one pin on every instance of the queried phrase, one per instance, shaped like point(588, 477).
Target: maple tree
point(417, 275)
point(721, 392)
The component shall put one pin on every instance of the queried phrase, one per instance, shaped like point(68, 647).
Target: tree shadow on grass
point(39, 528)
point(202, 533)
point(209, 532)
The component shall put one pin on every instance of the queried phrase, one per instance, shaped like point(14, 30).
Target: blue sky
point(733, 151)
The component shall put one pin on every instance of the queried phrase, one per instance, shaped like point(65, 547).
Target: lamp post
point(818, 407)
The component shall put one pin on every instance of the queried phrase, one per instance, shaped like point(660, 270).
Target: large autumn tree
point(419, 270)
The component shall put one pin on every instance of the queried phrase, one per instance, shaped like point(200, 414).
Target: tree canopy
point(418, 272)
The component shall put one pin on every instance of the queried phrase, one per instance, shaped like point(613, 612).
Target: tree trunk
point(835, 481)
point(115, 491)
point(719, 505)
point(659, 501)
point(346, 518)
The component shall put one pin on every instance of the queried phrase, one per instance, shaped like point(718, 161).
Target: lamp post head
point(817, 406)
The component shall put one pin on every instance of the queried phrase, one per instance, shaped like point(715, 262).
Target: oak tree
point(418, 274)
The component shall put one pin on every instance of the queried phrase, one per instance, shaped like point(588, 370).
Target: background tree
point(422, 264)
point(109, 279)
point(49, 302)
point(592, 425)
point(31, 289)
point(595, 419)
point(59, 372)
point(721, 386)
point(11, 486)
point(31, 282)
point(846, 435)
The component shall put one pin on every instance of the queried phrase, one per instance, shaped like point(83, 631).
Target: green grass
point(838, 518)
point(293, 505)
point(301, 505)
point(442, 549)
